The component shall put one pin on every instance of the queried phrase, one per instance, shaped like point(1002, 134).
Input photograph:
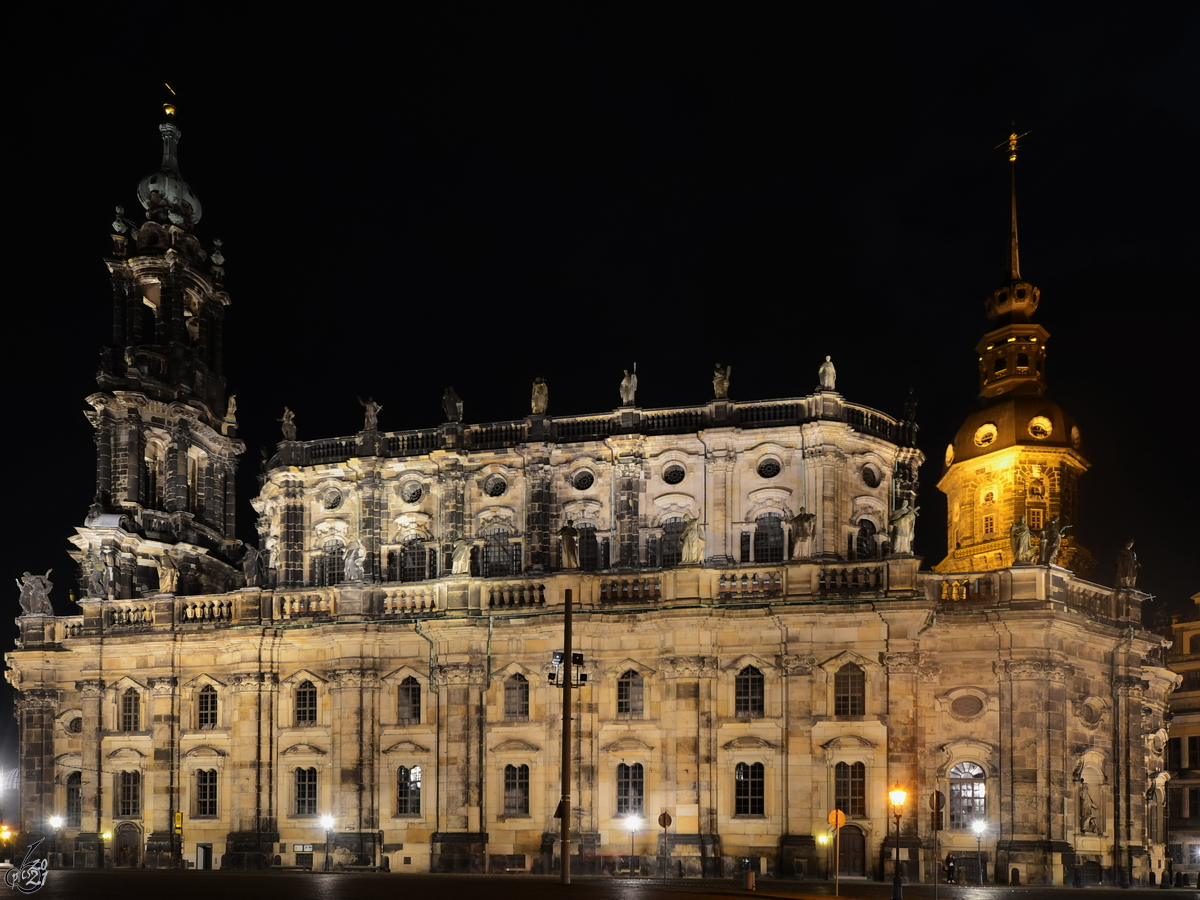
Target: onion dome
point(164, 194)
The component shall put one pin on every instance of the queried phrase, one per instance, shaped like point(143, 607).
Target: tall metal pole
point(565, 804)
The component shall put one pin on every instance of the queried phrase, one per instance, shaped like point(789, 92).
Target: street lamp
point(979, 828)
point(327, 824)
point(56, 822)
point(823, 840)
point(633, 823)
point(898, 796)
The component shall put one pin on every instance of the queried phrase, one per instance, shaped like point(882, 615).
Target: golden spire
point(1014, 262)
point(169, 107)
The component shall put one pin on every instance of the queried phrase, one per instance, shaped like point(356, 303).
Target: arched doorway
point(127, 845)
point(852, 853)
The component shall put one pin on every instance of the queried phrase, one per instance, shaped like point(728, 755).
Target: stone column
point(451, 527)
point(827, 466)
point(538, 512)
point(103, 439)
point(462, 721)
point(289, 555)
point(628, 472)
point(160, 786)
point(87, 843)
point(688, 711)
point(252, 779)
point(801, 797)
point(903, 750)
point(353, 750)
point(175, 491)
point(370, 492)
point(720, 517)
point(35, 710)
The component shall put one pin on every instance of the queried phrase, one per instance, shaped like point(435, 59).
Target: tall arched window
point(306, 703)
point(589, 547)
point(516, 790)
point(74, 800)
point(749, 789)
point(768, 538)
point(206, 707)
point(968, 785)
point(497, 555)
point(328, 564)
point(154, 465)
point(131, 710)
point(409, 712)
point(864, 546)
point(516, 697)
point(850, 788)
point(849, 691)
point(630, 694)
point(748, 693)
point(408, 791)
point(671, 548)
point(631, 790)
point(409, 563)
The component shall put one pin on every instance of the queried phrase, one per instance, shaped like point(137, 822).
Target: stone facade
point(759, 646)
point(1183, 748)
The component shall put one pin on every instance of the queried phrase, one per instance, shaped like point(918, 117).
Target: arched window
point(409, 563)
point(768, 538)
point(516, 697)
point(131, 711)
point(850, 788)
point(631, 790)
point(154, 462)
point(306, 703)
point(749, 789)
point(516, 790)
point(306, 792)
point(589, 547)
point(206, 707)
point(629, 695)
point(671, 548)
point(497, 556)
point(206, 792)
point(408, 791)
point(849, 691)
point(748, 693)
point(864, 545)
point(409, 712)
point(129, 795)
point(329, 564)
point(74, 800)
point(968, 785)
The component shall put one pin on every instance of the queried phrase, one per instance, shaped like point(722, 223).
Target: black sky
point(407, 204)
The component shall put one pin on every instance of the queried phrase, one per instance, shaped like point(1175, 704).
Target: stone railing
point(853, 580)
point(420, 599)
point(596, 427)
point(751, 585)
point(515, 595)
point(968, 588)
point(631, 589)
point(305, 604)
point(204, 609)
point(129, 615)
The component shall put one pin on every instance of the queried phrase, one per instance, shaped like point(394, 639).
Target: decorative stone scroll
point(37, 698)
point(797, 665)
point(1034, 670)
point(901, 663)
point(92, 687)
point(353, 678)
point(458, 674)
point(689, 667)
point(248, 681)
point(164, 684)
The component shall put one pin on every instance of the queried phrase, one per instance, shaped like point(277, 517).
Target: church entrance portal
point(127, 845)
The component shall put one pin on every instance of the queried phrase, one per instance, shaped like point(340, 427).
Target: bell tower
point(1015, 462)
point(162, 518)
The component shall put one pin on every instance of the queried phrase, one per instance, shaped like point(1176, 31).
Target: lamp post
point(327, 824)
point(56, 823)
point(898, 796)
point(633, 823)
point(823, 840)
point(979, 827)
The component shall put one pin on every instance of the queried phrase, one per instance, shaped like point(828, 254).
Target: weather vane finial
point(1011, 145)
point(169, 107)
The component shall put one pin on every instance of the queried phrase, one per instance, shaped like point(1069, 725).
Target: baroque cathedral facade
point(760, 645)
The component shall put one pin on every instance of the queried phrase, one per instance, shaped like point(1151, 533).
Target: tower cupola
point(164, 194)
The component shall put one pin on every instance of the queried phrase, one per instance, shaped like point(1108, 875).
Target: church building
point(375, 683)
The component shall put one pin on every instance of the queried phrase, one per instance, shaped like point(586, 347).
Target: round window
point(495, 486)
point(674, 474)
point(870, 476)
point(966, 706)
point(583, 480)
point(75, 726)
point(1040, 427)
point(331, 498)
point(411, 492)
point(769, 468)
point(985, 434)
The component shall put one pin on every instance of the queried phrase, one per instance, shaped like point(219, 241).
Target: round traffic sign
point(837, 818)
point(664, 821)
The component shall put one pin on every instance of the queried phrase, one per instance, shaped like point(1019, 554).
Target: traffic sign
point(837, 818)
point(937, 801)
point(664, 821)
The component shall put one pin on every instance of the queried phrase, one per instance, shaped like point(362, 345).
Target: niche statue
point(35, 594)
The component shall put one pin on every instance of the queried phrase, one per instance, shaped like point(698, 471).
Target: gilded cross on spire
point(1011, 146)
point(169, 106)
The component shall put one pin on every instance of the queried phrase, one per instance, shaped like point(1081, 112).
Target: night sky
point(407, 205)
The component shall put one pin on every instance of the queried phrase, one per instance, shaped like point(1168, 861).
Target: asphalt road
point(127, 884)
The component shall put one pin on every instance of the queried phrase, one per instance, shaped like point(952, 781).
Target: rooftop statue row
point(452, 404)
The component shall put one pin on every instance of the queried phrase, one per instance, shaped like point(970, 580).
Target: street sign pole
point(837, 819)
point(665, 821)
point(937, 802)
